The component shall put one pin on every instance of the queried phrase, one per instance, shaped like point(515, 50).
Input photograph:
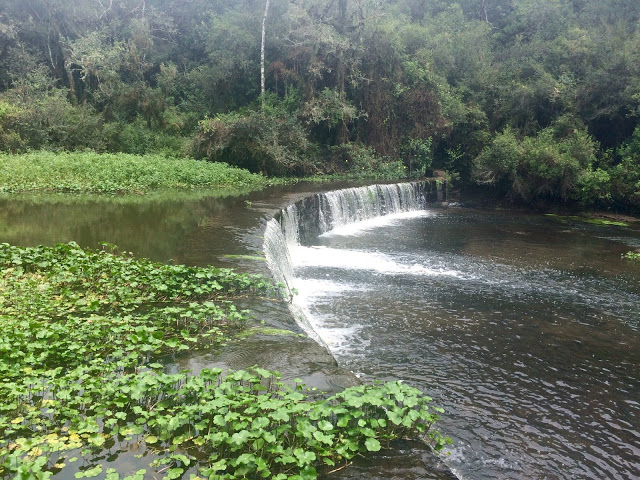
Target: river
point(525, 328)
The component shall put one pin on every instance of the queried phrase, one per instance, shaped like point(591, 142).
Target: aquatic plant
point(632, 256)
point(83, 335)
point(90, 172)
point(591, 220)
point(243, 425)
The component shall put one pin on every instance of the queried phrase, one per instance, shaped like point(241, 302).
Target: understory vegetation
point(539, 100)
point(83, 339)
point(88, 172)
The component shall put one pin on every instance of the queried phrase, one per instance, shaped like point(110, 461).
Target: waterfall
point(312, 216)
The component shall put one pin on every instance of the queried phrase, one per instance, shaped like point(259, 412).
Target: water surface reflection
point(525, 329)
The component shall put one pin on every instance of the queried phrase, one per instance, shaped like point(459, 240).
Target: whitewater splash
point(359, 260)
point(348, 210)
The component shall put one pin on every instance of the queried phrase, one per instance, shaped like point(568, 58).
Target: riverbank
point(90, 172)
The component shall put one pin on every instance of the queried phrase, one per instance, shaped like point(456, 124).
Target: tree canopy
point(539, 94)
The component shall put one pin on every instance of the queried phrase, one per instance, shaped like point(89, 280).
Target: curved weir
point(317, 214)
point(306, 219)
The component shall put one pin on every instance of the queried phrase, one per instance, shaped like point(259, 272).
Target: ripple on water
point(537, 366)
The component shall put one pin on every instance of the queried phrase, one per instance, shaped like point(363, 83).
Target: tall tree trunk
point(342, 6)
point(360, 22)
point(483, 12)
point(264, 22)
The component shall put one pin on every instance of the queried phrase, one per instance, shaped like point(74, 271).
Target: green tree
point(545, 167)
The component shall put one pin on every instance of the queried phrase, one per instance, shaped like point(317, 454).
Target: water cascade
point(317, 214)
point(525, 328)
point(312, 216)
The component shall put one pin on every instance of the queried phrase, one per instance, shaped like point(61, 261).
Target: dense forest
point(538, 98)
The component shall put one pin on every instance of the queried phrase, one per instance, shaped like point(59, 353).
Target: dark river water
point(525, 328)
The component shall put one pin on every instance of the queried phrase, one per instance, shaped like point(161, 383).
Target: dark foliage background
point(539, 99)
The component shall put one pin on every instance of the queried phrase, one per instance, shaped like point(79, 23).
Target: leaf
point(90, 473)
point(324, 425)
point(174, 473)
point(372, 444)
point(139, 475)
point(280, 415)
point(96, 439)
point(240, 437)
point(323, 438)
point(181, 458)
point(260, 422)
point(286, 459)
point(304, 457)
point(112, 475)
point(219, 466)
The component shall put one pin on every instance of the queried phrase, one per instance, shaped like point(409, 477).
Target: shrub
point(594, 188)
point(138, 139)
point(358, 161)
point(271, 141)
point(498, 163)
point(545, 167)
point(10, 140)
point(625, 176)
point(417, 153)
point(49, 121)
point(625, 182)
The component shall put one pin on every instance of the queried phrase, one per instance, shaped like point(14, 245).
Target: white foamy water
point(375, 223)
point(312, 288)
point(364, 207)
point(310, 292)
point(363, 260)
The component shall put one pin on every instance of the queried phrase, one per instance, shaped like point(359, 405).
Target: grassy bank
point(82, 339)
point(97, 173)
point(89, 172)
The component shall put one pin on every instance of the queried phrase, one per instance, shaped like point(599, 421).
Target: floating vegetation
point(82, 336)
point(150, 197)
point(632, 256)
point(90, 172)
point(269, 331)
point(591, 220)
point(602, 221)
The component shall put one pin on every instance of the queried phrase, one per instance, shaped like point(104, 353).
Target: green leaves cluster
point(89, 172)
point(63, 306)
point(632, 256)
point(359, 162)
point(271, 140)
point(82, 336)
point(547, 166)
point(253, 431)
point(244, 425)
